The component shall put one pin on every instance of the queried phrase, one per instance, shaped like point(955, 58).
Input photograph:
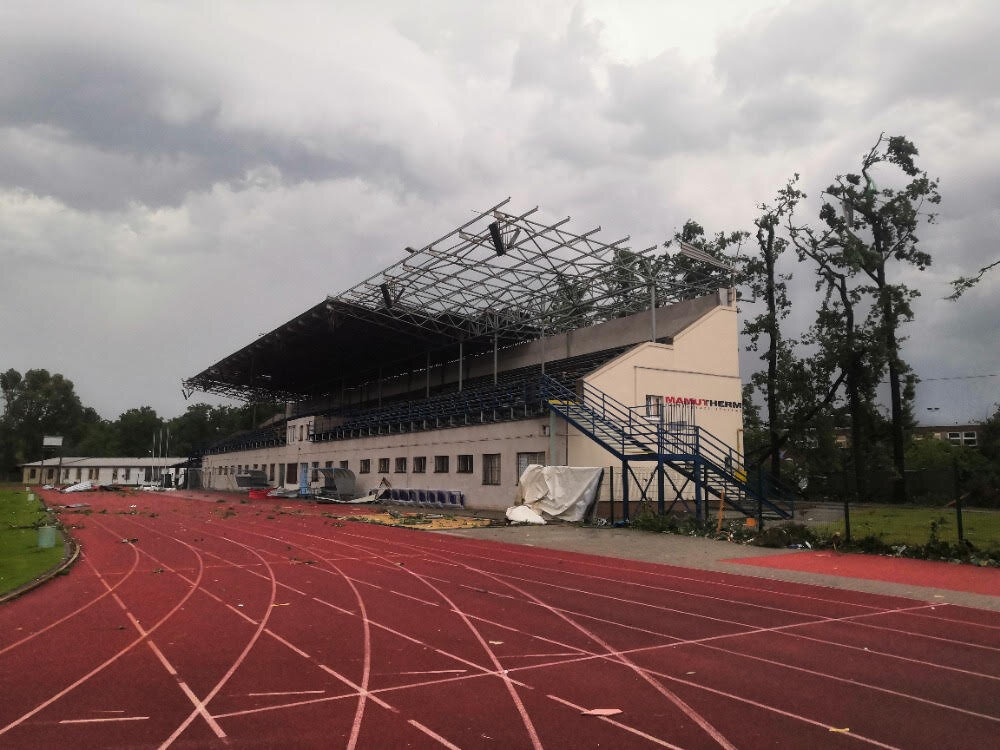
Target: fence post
point(958, 501)
point(847, 518)
point(760, 497)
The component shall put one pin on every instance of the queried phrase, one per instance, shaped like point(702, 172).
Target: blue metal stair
point(715, 468)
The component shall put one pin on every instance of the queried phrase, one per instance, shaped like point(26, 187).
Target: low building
point(117, 470)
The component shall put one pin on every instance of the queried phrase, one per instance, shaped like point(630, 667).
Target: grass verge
point(20, 558)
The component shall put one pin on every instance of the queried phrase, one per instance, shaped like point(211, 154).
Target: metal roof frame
point(460, 288)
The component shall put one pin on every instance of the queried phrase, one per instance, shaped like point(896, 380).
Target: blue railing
point(685, 447)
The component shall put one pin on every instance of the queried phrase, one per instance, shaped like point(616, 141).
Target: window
point(401, 465)
point(270, 473)
point(969, 439)
point(491, 468)
point(49, 473)
point(419, 464)
point(255, 467)
point(91, 473)
point(366, 466)
point(315, 472)
point(955, 438)
point(343, 464)
point(128, 474)
point(33, 472)
point(524, 460)
point(79, 474)
point(440, 464)
point(291, 477)
point(300, 433)
point(65, 473)
point(328, 465)
point(465, 464)
point(654, 406)
point(383, 466)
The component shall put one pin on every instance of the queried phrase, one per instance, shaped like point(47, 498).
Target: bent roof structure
point(498, 280)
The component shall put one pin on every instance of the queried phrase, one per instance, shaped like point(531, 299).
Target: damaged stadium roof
point(497, 280)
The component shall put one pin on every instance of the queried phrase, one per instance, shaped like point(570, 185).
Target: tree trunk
point(772, 358)
point(853, 397)
point(895, 392)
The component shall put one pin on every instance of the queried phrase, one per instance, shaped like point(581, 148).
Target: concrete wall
point(702, 363)
point(505, 438)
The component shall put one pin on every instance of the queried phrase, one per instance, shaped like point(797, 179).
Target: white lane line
point(620, 725)
point(434, 735)
point(199, 708)
point(289, 692)
point(435, 671)
point(109, 718)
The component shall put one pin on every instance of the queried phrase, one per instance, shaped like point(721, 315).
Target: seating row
point(426, 498)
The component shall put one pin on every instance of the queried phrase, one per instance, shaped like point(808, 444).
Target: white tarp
point(79, 487)
point(563, 492)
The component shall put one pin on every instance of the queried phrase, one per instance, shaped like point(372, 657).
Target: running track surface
point(940, 575)
point(185, 625)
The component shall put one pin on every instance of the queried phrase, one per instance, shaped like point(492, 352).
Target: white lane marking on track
point(106, 662)
point(619, 724)
point(433, 671)
point(434, 735)
point(611, 654)
point(358, 688)
point(198, 705)
point(243, 654)
point(200, 708)
point(108, 718)
point(878, 688)
point(125, 576)
point(289, 692)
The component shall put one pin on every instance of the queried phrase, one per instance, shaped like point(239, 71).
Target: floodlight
point(409, 249)
point(497, 238)
point(385, 294)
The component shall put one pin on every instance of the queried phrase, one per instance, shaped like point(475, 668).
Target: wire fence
point(937, 514)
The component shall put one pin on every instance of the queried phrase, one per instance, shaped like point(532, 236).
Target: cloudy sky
point(176, 178)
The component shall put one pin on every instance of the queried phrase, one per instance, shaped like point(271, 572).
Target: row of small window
point(92, 473)
point(465, 465)
point(442, 464)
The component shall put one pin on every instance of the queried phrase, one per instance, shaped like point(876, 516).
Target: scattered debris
point(496, 643)
point(602, 712)
point(845, 730)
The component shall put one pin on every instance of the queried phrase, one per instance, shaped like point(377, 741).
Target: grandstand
point(507, 341)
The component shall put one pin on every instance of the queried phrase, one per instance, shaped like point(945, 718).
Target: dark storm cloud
point(99, 130)
point(189, 178)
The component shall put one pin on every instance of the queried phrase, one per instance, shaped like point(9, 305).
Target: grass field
point(20, 558)
point(913, 525)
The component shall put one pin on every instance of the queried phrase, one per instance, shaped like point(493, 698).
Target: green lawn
point(20, 558)
point(913, 525)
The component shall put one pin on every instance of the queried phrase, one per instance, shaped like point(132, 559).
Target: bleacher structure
point(521, 338)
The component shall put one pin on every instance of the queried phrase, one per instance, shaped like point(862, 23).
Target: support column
point(460, 362)
point(428, 395)
point(553, 461)
point(697, 490)
point(625, 490)
point(380, 387)
point(494, 359)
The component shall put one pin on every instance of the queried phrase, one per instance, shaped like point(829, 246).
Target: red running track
point(194, 623)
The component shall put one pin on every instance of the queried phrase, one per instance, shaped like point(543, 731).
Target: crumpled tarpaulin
point(564, 492)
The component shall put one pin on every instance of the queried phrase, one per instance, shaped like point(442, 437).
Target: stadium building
point(507, 342)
